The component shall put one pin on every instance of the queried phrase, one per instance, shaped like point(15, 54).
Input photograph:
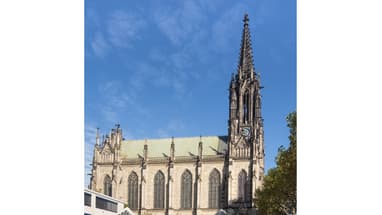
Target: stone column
point(170, 184)
point(114, 182)
point(143, 187)
point(170, 176)
point(199, 187)
point(198, 174)
point(230, 193)
point(254, 178)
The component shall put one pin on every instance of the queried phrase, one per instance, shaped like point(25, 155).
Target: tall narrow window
point(107, 186)
point(133, 191)
point(186, 190)
point(159, 190)
point(214, 189)
point(246, 107)
point(242, 186)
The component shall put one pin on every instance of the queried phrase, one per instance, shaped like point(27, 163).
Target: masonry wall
point(233, 182)
point(120, 184)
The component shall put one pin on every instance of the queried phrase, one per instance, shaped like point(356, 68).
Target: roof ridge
point(169, 138)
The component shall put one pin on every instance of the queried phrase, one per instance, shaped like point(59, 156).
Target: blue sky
point(162, 68)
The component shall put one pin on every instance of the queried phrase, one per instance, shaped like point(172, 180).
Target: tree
point(278, 194)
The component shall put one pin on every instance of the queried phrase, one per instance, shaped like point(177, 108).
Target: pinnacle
point(246, 19)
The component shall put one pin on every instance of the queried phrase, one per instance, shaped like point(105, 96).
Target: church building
point(191, 175)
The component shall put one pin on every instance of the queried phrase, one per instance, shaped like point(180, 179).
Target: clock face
point(245, 131)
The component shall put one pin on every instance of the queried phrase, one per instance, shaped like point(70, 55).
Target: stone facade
point(225, 171)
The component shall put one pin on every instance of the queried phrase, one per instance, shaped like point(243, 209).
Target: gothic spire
point(246, 66)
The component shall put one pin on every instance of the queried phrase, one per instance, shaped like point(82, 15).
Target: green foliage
point(278, 195)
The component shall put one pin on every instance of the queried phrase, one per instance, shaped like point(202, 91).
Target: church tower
point(245, 129)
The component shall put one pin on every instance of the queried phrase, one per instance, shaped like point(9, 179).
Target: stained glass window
point(133, 191)
point(159, 190)
point(107, 187)
point(186, 190)
point(214, 189)
point(242, 186)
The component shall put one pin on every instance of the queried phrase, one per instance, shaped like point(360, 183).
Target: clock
point(245, 131)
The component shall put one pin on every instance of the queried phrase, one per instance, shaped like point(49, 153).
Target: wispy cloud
point(92, 18)
point(168, 73)
point(124, 27)
point(99, 45)
point(90, 134)
point(116, 99)
point(113, 95)
point(222, 33)
point(179, 21)
point(174, 125)
point(120, 30)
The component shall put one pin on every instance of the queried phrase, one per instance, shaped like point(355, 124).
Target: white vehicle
point(99, 204)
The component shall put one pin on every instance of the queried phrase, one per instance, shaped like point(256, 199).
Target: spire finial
point(246, 19)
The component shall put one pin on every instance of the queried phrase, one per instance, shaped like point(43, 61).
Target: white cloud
point(99, 45)
point(92, 18)
point(174, 125)
point(178, 23)
point(124, 27)
point(90, 135)
point(109, 115)
point(117, 98)
point(222, 30)
point(114, 95)
point(170, 74)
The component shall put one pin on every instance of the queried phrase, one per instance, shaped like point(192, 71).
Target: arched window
point(186, 190)
point(214, 189)
point(242, 186)
point(107, 185)
point(159, 190)
point(133, 191)
point(246, 106)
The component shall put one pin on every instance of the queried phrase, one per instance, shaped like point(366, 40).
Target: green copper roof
point(212, 145)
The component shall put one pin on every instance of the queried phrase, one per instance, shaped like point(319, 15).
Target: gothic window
point(107, 186)
point(258, 105)
point(133, 191)
point(159, 190)
point(242, 186)
point(186, 190)
point(246, 107)
point(214, 189)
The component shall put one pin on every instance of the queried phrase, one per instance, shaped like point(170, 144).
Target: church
point(191, 175)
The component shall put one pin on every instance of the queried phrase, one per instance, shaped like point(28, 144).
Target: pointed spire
point(232, 83)
point(246, 66)
point(172, 149)
point(145, 150)
point(200, 148)
point(97, 137)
